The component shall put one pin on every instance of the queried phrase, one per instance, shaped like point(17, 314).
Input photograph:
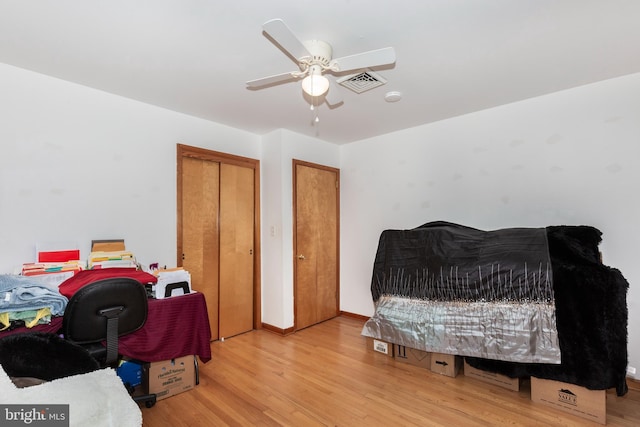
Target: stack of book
point(53, 265)
point(36, 268)
point(110, 259)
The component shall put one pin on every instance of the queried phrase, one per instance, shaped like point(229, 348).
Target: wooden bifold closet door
point(236, 250)
point(217, 213)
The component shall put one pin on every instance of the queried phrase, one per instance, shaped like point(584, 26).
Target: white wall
point(274, 297)
point(569, 158)
point(279, 150)
point(78, 164)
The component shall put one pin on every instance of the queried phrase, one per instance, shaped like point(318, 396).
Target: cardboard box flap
point(111, 245)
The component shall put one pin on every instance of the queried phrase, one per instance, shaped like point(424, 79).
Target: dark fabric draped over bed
point(556, 265)
point(591, 316)
point(444, 261)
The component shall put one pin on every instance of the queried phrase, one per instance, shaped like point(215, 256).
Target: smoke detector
point(393, 96)
point(362, 82)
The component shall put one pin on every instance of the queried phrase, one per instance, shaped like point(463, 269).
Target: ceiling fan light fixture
point(315, 84)
point(314, 57)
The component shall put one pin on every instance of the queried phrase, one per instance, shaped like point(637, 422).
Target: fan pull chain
point(313, 108)
point(314, 99)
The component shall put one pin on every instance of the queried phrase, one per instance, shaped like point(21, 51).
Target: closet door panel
point(236, 249)
point(200, 250)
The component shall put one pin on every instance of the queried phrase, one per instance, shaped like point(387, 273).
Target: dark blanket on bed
point(591, 316)
point(441, 261)
point(453, 262)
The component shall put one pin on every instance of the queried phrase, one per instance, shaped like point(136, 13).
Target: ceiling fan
point(314, 58)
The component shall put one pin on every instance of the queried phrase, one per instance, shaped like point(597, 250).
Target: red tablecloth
point(175, 327)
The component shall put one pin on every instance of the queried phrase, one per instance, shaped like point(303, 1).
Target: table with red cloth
point(175, 327)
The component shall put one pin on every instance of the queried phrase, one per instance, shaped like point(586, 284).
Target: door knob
point(300, 256)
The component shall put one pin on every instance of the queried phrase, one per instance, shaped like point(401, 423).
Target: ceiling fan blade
point(372, 58)
point(271, 80)
point(334, 95)
point(278, 31)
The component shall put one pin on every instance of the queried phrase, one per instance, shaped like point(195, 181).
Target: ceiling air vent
point(362, 82)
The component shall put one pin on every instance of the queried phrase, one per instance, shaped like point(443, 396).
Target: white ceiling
point(453, 56)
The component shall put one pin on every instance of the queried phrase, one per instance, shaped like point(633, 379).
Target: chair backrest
point(103, 311)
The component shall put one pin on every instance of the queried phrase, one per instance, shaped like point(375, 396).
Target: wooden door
point(200, 246)
point(236, 249)
point(316, 263)
point(218, 235)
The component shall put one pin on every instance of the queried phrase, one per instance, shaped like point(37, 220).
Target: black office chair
point(103, 311)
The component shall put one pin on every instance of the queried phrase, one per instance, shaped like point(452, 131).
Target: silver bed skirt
point(523, 332)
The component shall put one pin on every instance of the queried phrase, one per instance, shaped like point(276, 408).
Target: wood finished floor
point(325, 376)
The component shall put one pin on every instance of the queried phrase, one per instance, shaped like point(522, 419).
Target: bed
point(517, 301)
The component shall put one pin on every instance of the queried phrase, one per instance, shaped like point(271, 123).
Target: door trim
point(295, 163)
point(216, 156)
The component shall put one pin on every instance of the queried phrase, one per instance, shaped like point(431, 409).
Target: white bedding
point(97, 399)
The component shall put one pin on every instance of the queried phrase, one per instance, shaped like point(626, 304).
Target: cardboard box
point(380, 346)
point(170, 377)
point(571, 398)
point(412, 356)
point(446, 364)
point(492, 377)
point(107, 245)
